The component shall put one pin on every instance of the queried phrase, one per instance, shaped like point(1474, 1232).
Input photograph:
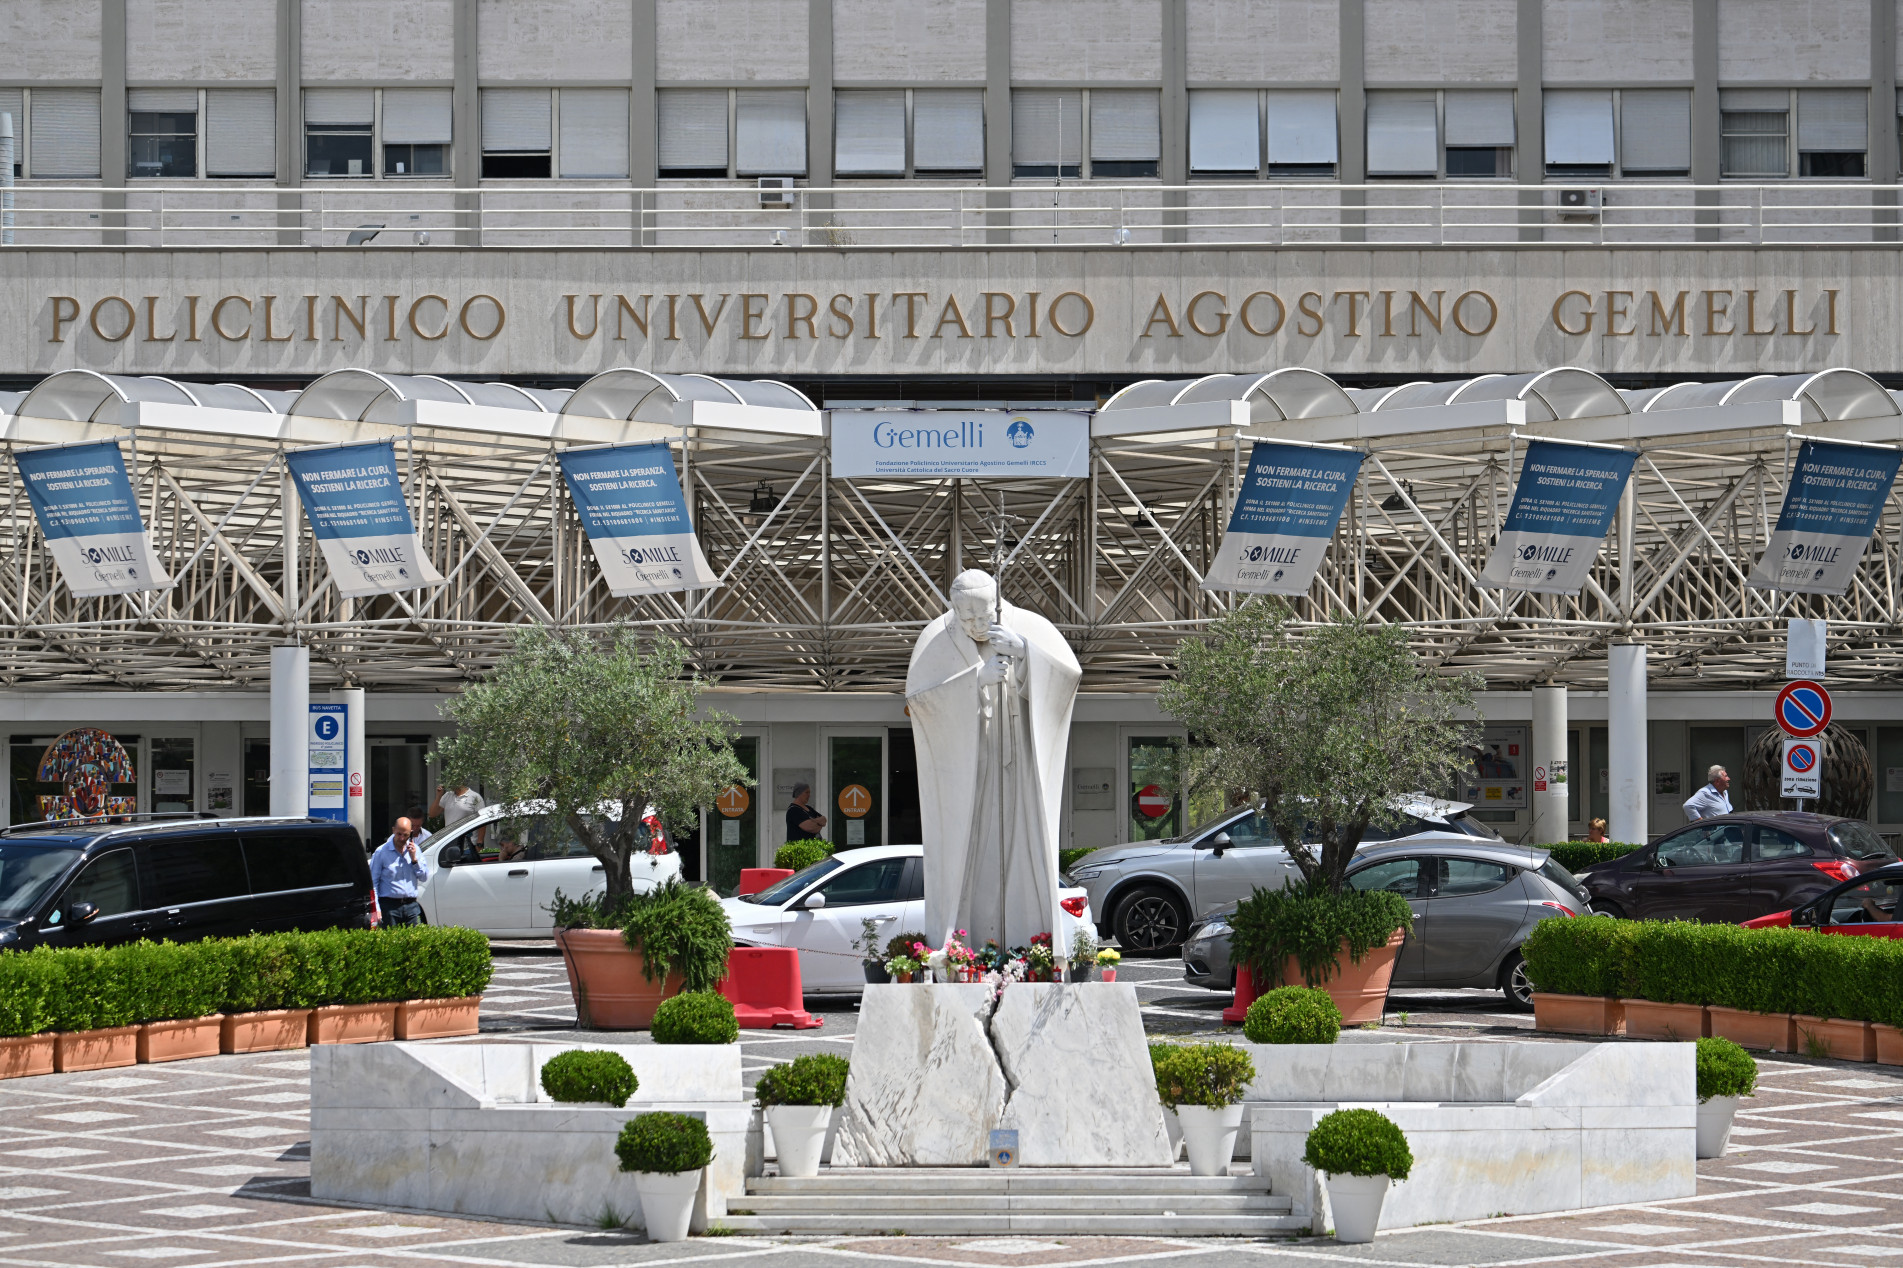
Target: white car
point(477, 888)
point(821, 911)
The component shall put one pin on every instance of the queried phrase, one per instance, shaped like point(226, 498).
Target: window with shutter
point(516, 133)
point(1478, 130)
point(1655, 132)
point(869, 133)
point(13, 105)
point(1303, 136)
point(1225, 132)
point(65, 133)
point(1755, 127)
point(416, 131)
point(769, 132)
point(1579, 133)
point(693, 131)
point(1047, 133)
point(241, 132)
point(1833, 132)
point(948, 131)
point(1126, 134)
point(338, 126)
point(595, 133)
point(1403, 134)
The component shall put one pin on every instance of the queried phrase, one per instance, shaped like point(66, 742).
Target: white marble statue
point(990, 692)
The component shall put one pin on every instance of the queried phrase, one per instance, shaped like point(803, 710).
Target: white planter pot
point(1714, 1125)
point(1174, 1126)
point(799, 1135)
point(1356, 1203)
point(667, 1202)
point(1210, 1135)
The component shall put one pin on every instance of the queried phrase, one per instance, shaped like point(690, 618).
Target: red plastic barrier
point(1245, 996)
point(764, 985)
point(755, 879)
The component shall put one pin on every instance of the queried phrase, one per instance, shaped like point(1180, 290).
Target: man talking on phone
point(397, 870)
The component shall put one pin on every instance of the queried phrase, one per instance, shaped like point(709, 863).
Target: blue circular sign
point(327, 728)
point(1803, 708)
point(1802, 757)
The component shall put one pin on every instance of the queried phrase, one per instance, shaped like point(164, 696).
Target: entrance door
point(173, 773)
point(399, 778)
point(1153, 806)
point(733, 824)
point(855, 803)
point(903, 822)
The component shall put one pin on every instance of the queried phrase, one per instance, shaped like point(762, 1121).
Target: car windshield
point(783, 892)
point(1208, 825)
point(1859, 842)
point(1871, 902)
point(27, 872)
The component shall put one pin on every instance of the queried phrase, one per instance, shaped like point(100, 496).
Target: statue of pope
point(990, 690)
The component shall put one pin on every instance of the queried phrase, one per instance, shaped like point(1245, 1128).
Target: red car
point(1865, 905)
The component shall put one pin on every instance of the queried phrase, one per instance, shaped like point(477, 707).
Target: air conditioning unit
point(776, 191)
point(1580, 204)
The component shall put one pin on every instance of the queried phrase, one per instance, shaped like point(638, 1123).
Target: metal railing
point(907, 215)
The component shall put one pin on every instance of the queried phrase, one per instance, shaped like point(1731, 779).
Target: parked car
point(1474, 904)
point(1148, 893)
point(1864, 905)
point(1733, 868)
point(820, 910)
point(499, 871)
point(178, 877)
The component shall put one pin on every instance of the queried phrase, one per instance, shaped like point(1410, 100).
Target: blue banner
point(1286, 512)
point(629, 500)
point(1561, 510)
point(355, 503)
point(1835, 497)
point(90, 516)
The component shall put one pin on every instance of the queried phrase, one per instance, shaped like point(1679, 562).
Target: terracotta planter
point(352, 1023)
point(26, 1054)
point(1648, 1019)
point(177, 1040)
point(437, 1018)
point(268, 1031)
point(1360, 991)
point(1889, 1045)
point(1768, 1031)
point(95, 1049)
point(1844, 1040)
point(1578, 1014)
point(605, 975)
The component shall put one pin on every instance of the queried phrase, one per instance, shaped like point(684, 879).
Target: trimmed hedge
point(818, 1078)
point(665, 1143)
point(1292, 1014)
point(802, 854)
point(584, 1076)
point(1577, 856)
point(89, 988)
point(695, 1017)
point(1757, 970)
point(1358, 1142)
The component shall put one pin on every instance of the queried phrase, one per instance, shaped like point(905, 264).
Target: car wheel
point(1514, 984)
point(1151, 922)
point(1599, 907)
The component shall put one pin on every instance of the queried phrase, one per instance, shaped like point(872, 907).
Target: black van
point(180, 877)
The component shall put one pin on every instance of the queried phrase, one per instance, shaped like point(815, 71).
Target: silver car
point(1147, 894)
point(1474, 903)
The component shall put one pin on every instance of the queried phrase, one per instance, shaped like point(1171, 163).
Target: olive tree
point(586, 722)
point(1326, 726)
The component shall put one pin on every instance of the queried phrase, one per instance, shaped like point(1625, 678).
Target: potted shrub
point(667, 1154)
point(448, 969)
point(1579, 972)
point(799, 1098)
point(1107, 961)
point(180, 989)
point(870, 960)
point(1159, 1054)
point(1362, 1152)
point(1083, 954)
point(29, 987)
point(94, 1011)
point(599, 734)
point(695, 1017)
point(1292, 1014)
point(1204, 1083)
point(906, 958)
point(583, 1076)
point(1726, 1073)
point(1324, 727)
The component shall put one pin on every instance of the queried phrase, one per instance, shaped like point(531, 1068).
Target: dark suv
point(68, 884)
point(1734, 868)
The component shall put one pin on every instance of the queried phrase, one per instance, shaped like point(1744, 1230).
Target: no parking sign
point(1803, 769)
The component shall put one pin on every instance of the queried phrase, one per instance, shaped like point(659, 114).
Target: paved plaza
point(206, 1162)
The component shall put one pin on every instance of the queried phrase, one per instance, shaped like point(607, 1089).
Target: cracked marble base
point(934, 1070)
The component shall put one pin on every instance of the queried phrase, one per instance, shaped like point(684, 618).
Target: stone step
point(894, 1206)
point(981, 1223)
point(1027, 1180)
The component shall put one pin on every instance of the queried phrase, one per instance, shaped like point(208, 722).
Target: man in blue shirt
point(397, 870)
point(1712, 799)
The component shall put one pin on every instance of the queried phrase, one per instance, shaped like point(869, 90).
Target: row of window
point(937, 133)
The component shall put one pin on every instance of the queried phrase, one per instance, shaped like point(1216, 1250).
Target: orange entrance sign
point(733, 802)
point(854, 801)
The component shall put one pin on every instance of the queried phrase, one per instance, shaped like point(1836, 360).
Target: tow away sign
point(1802, 769)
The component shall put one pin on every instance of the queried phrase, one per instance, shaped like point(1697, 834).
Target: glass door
point(855, 779)
point(1154, 804)
point(173, 773)
point(399, 780)
point(733, 825)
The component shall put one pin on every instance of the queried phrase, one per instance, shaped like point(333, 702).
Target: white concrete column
point(1629, 763)
point(1549, 755)
point(356, 760)
point(290, 730)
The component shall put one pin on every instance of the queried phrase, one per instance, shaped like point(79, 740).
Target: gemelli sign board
point(87, 510)
point(1285, 516)
point(946, 444)
point(355, 502)
point(1830, 508)
point(1561, 510)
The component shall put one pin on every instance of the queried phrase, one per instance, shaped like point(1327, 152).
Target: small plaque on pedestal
point(1004, 1147)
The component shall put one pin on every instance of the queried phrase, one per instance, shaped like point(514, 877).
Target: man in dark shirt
point(802, 821)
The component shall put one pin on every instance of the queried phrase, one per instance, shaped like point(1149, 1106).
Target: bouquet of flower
point(960, 963)
point(1040, 961)
point(1107, 960)
point(904, 967)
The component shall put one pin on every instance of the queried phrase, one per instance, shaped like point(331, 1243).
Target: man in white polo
point(1712, 799)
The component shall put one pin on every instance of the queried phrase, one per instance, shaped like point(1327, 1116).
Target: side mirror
point(449, 856)
point(1219, 843)
point(82, 913)
point(813, 901)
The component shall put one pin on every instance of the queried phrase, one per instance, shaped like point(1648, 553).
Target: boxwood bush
point(695, 1017)
point(88, 988)
point(1725, 1069)
point(800, 855)
point(583, 1075)
point(1577, 856)
point(1292, 1014)
point(815, 1079)
point(664, 1142)
point(1311, 924)
point(1207, 1074)
point(1358, 1142)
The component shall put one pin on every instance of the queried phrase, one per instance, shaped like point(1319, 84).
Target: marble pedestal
point(936, 1068)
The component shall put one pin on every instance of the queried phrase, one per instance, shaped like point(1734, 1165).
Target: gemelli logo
point(1020, 433)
